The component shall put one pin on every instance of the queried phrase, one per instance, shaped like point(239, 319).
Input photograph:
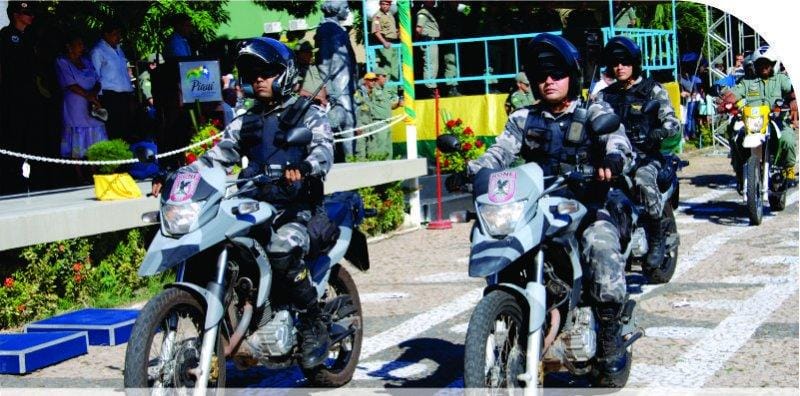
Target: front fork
point(533, 356)
point(217, 289)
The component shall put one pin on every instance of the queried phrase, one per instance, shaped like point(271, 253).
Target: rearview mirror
point(448, 144)
point(605, 124)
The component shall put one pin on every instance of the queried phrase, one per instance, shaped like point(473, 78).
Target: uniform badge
point(502, 186)
point(184, 187)
point(15, 39)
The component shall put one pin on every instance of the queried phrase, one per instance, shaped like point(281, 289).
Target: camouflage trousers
point(647, 183)
point(290, 272)
point(291, 235)
point(601, 250)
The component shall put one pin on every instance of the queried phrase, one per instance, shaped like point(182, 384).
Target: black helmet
point(621, 49)
point(548, 52)
point(267, 57)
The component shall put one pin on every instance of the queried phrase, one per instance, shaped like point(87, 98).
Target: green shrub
point(389, 201)
point(109, 150)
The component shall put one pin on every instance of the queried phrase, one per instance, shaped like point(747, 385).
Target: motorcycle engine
point(578, 342)
point(276, 338)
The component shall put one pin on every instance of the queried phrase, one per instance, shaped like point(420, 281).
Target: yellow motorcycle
point(754, 146)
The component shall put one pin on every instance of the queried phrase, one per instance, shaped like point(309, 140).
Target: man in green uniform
point(363, 98)
point(383, 101)
point(428, 30)
point(765, 88)
point(522, 97)
point(384, 29)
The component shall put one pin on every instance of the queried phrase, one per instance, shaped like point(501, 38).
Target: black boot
point(655, 243)
point(611, 355)
point(315, 342)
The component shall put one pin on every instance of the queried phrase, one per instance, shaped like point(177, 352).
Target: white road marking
point(776, 260)
point(419, 324)
point(460, 328)
point(389, 370)
point(675, 332)
point(445, 277)
point(715, 305)
point(462, 260)
point(758, 280)
point(382, 297)
point(710, 353)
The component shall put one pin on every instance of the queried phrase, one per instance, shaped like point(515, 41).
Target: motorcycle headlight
point(501, 219)
point(181, 219)
point(754, 124)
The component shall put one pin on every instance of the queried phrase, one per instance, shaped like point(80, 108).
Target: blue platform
point(104, 326)
point(24, 353)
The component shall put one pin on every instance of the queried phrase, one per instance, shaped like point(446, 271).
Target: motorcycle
point(755, 132)
point(532, 318)
point(224, 303)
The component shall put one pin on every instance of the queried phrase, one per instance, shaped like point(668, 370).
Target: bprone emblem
point(502, 186)
point(184, 187)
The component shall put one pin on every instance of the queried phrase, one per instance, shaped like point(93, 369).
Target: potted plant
point(472, 146)
point(108, 184)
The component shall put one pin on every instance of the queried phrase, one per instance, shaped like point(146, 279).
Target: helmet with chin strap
point(621, 49)
point(266, 57)
point(548, 52)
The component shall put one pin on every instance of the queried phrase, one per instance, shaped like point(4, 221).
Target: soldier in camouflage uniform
point(627, 96)
point(522, 97)
point(385, 101)
point(428, 30)
point(269, 66)
point(364, 101)
point(539, 133)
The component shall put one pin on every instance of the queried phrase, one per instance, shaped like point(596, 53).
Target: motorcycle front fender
point(489, 256)
point(535, 296)
point(214, 306)
point(753, 140)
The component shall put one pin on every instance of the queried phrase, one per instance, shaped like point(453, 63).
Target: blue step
point(104, 326)
point(24, 353)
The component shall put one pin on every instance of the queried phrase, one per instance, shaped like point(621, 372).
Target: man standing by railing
point(384, 28)
point(428, 30)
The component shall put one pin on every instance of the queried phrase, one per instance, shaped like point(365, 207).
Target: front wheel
point(165, 343)
point(347, 331)
point(752, 176)
point(494, 351)
point(663, 273)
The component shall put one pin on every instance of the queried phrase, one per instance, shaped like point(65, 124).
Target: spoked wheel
point(752, 181)
point(494, 351)
point(664, 272)
point(346, 332)
point(164, 348)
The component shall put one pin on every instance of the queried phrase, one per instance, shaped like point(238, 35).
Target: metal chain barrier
point(397, 119)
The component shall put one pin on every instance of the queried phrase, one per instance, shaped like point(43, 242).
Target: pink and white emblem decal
point(502, 186)
point(184, 187)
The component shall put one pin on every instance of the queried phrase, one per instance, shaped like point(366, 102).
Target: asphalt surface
point(728, 319)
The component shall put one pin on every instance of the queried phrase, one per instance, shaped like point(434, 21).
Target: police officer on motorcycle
point(767, 86)
point(541, 133)
point(628, 96)
point(269, 66)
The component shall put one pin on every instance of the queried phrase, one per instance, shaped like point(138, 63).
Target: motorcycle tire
point(152, 321)
point(755, 204)
point(481, 337)
point(777, 201)
point(664, 272)
point(342, 360)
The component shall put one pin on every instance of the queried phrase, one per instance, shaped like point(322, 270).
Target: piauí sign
point(200, 81)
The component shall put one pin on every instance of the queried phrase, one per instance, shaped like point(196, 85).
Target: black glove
point(615, 162)
point(456, 182)
point(304, 167)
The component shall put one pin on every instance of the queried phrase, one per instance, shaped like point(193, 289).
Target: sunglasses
point(265, 73)
point(623, 62)
point(541, 76)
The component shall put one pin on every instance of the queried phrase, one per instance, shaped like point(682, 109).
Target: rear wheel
point(494, 351)
point(664, 272)
point(755, 202)
point(338, 368)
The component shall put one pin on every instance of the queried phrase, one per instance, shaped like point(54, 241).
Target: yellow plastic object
point(762, 112)
point(115, 187)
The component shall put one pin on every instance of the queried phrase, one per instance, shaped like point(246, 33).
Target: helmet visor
point(251, 68)
point(540, 76)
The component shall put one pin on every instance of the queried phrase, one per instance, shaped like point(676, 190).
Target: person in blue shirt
point(178, 42)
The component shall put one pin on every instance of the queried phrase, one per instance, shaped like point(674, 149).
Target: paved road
point(729, 318)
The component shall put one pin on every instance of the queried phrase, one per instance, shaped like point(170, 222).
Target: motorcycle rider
point(766, 87)
point(541, 133)
point(269, 66)
point(627, 96)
